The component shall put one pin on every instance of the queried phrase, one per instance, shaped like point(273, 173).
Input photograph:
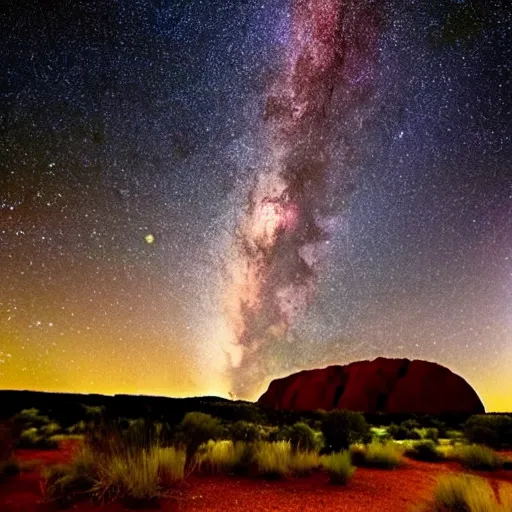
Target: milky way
point(283, 228)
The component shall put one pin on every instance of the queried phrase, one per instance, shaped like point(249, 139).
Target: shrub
point(301, 436)
point(410, 424)
point(115, 469)
point(302, 463)
point(377, 455)
point(244, 431)
point(198, 428)
point(463, 493)
point(426, 451)
point(50, 429)
point(221, 456)
point(393, 430)
point(32, 439)
point(339, 467)
point(273, 459)
point(30, 418)
point(432, 434)
point(342, 428)
point(477, 457)
point(492, 430)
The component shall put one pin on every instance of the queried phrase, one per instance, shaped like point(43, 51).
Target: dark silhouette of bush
point(492, 430)
point(342, 428)
point(244, 431)
point(425, 451)
point(432, 434)
point(301, 436)
point(198, 428)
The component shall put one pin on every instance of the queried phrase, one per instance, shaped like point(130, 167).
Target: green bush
point(339, 467)
point(50, 429)
point(301, 436)
point(477, 457)
point(432, 434)
point(198, 428)
point(32, 439)
point(493, 430)
point(342, 428)
point(244, 431)
point(425, 451)
point(377, 455)
point(28, 418)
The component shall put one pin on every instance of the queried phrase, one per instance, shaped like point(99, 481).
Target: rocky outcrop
point(382, 385)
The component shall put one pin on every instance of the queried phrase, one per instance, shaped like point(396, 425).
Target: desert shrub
point(30, 438)
point(377, 455)
point(492, 430)
point(303, 462)
point(432, 434)
point(244, 431)
point(414, 435)
point(50, 429)
point(301, 436)
point(392, 430)
point(272, 460)
point(464, 493)
point(30, 418)
point(477, 457)
point(507, 464)
point(78, 428)
point(410, 424)
point(401, 433)
point(342, 428)
point(221, 456)
point(339, 467)
point(426, 451)
point(198, 428)
point(115, 469)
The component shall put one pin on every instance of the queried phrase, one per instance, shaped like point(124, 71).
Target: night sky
point(137, 143)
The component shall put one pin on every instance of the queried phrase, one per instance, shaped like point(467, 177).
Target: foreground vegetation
point(137, 461)
point(464, 493)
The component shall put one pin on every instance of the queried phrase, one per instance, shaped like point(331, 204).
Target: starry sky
point(132, 135)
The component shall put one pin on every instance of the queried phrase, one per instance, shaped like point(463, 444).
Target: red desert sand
point(370, 490)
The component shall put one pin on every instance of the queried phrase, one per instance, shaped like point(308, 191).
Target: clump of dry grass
point(465, 493)
point(339, 467)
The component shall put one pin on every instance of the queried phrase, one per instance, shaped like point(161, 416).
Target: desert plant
point(377, 455)
point(301, 436)
point(244, 431)
point(477, 457)
point(272, 460)
point(302, 462)
point(30, 438)
point(220, 456)
point(342, 428)
point(339, 467)
point(492, 430)
point(116, 469)
point(198, 428)
point(464, 493)
point(425, 450)
point(50, 429)
point(30, 418)
point(432, 434)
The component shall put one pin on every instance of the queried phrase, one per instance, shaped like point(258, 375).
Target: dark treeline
point(68, 409)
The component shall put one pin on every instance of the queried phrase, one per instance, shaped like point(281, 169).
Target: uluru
point(382, 385)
